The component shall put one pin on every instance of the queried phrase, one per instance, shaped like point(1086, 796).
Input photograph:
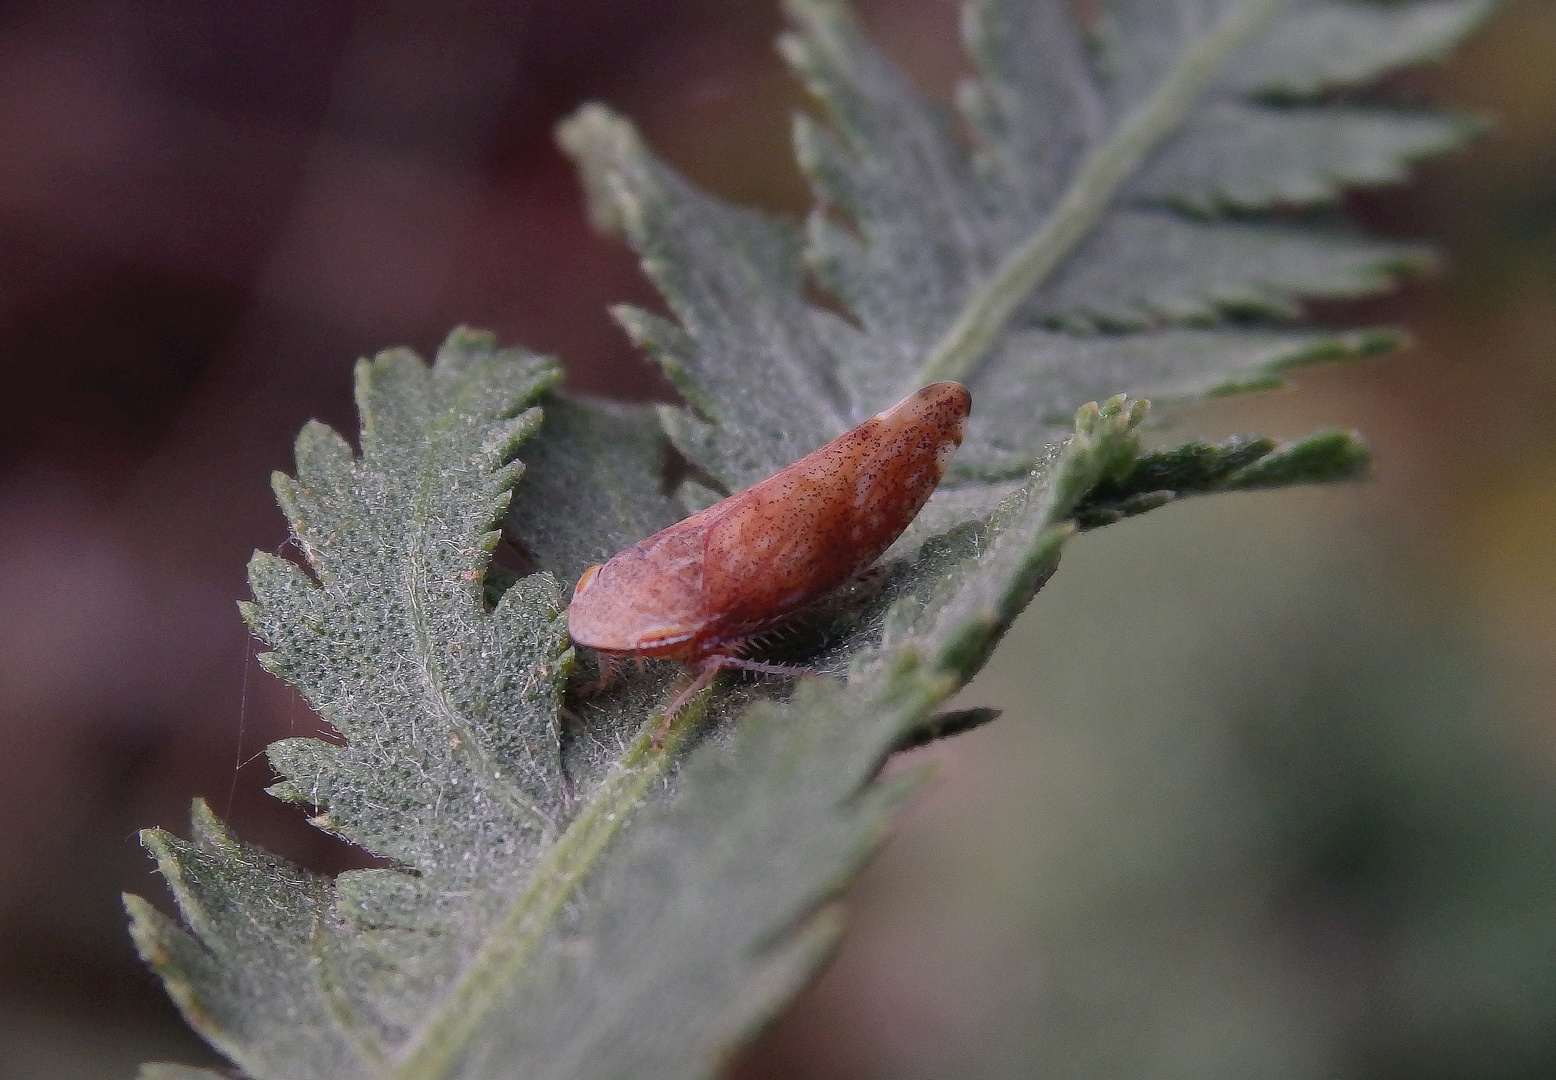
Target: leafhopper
point(699, 591)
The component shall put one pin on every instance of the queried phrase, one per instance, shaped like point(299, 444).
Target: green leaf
point(713, 911)
point(745, 353)
point(165, 1071)
point(1058, 218)
point(575, 885)
point(591, 484)
point(1240, 464)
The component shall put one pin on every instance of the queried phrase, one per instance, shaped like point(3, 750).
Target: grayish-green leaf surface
point(164, 1071)
point(591, 484)
point(576, 887)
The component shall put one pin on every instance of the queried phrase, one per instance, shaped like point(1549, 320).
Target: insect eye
point(585, 580)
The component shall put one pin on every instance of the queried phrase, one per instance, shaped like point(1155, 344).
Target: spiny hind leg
point(765, 669)
point(718, 662)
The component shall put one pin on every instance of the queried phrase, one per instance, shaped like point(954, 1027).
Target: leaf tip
point(1325, 457)
point(597, 139)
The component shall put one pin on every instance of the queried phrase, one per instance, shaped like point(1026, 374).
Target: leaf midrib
point(991, 306)
point(417, 592)
point(441, 1041)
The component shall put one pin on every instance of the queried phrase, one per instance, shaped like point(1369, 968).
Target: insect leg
point(718, 662)
point(765, 669)
point(710, 667)
point(607, 670)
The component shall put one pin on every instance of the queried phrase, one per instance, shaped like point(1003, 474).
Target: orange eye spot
point(585, 580)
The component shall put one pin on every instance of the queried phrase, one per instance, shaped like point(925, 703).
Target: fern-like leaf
point(597, 890)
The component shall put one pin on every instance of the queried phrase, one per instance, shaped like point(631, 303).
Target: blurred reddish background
point(208, 210)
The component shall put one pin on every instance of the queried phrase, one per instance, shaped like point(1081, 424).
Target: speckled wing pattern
point(706, 584)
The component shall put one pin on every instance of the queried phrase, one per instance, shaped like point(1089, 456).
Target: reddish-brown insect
point(699, 591)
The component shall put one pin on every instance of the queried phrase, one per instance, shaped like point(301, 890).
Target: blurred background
point(1275, 791)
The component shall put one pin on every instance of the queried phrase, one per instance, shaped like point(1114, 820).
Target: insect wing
point(747, 561)
point(808, 528)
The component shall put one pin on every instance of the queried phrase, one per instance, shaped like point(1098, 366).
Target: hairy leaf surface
point(574, 885)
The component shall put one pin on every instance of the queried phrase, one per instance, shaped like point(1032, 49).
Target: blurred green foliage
point(1296, 834)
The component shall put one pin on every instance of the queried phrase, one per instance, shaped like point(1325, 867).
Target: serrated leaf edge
point(1089, 194)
